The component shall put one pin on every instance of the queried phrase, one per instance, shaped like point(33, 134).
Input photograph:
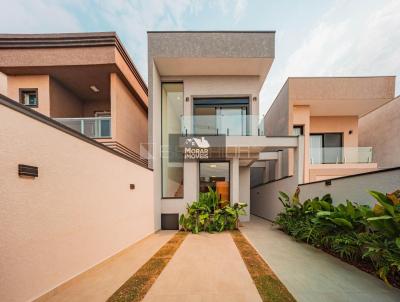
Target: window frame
point(161, 132)
point(301, 127)
point(25, 90)
point(322, 134)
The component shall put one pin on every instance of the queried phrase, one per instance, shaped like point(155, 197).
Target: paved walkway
point(100, 282)
point(310, 274)
point(207, 267)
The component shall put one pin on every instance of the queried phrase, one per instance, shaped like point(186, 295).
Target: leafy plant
point(353, 232)
point(211, 214)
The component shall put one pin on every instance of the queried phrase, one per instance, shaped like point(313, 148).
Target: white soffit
point(213, 66)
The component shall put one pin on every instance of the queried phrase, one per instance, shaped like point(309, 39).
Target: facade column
point(299, 160)
point(234, 181)
point(278, 166)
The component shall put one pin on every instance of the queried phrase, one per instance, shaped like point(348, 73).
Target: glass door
point(232, 120)
point(215, 175)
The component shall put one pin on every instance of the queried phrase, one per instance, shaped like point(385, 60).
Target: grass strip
point(136, 287)
point(270, 288)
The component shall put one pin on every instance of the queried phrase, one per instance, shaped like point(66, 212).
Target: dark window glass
point(29, 97)
point(326, 148)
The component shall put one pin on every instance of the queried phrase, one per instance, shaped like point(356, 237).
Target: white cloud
point(234, 8)
point(38, 16)
point(239, 9)
point(349, 40)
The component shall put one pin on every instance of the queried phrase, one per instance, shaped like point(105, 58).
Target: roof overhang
point(222, 53)
point(341, 96)
point(77, 60)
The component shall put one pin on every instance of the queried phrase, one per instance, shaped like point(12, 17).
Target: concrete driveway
point(310, 274)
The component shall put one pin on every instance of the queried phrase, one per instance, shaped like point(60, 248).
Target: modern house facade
point(326, 111)
point(206, 85)
point(85, 81)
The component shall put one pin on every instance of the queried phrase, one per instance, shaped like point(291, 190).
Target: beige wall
point(328, 171)
point(343, 124)
point(380, 129)
point(77, 213)
point(64, 103)
point(90, 107)
point(41, 82)
point(276, 120)
point(129, 125)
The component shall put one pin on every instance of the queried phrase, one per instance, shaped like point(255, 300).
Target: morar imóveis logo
point(196, 148)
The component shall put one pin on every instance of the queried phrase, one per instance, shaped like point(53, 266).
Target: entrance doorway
point(215, 175)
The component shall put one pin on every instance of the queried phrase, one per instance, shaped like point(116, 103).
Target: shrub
point(353, 232)
point(211, 214)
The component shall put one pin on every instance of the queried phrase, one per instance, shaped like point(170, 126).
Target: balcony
point(341, 155)
point(93, 127)
point(229, 125)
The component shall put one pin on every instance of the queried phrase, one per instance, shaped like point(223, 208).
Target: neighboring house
point(326, 110)
point(380, 129)
point(206, 85)
point(85, 81)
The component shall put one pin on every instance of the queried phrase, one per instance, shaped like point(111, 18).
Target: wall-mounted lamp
point(187, 99)
point(328, 182)
point(254, 99)
point(25, 170)
point(132, 186)
point(350, 132)
point(94, 88)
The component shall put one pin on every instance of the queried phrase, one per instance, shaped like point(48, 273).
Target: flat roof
point(212, 31)
point(57, 40)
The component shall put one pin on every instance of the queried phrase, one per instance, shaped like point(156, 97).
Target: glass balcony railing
point(94, 127)
point(341, 155)
point(233, 125)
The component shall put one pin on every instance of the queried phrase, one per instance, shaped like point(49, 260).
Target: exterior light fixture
point(350, 132)
point(132, 186)
point(25, 170)
point(328, 182)
point(254, 99)
point(94, 88)
point(187, 99)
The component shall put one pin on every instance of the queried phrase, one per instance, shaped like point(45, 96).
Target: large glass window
point(216, 116)
point(171, 158)
point(326, 148)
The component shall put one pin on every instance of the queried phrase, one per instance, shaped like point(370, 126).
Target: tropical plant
point(211, 214)
point(353, 232)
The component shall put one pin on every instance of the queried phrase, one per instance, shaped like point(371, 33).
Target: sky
point(313, 37)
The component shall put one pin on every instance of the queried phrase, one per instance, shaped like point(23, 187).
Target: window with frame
point(326, 148)
point(298, 130)
point(29, 97)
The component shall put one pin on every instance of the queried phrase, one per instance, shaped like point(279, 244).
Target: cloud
point(239, 9)
point(38, 16)
point(234, 8)
point(349, 40)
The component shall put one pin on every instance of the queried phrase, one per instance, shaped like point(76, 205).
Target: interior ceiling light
point(94, 88)
point(213, 166)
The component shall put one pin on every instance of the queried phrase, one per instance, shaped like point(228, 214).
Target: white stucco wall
point(199, 86)
point(77, 213)
point(265, 203)
point(244, 190)
point(354, 188)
